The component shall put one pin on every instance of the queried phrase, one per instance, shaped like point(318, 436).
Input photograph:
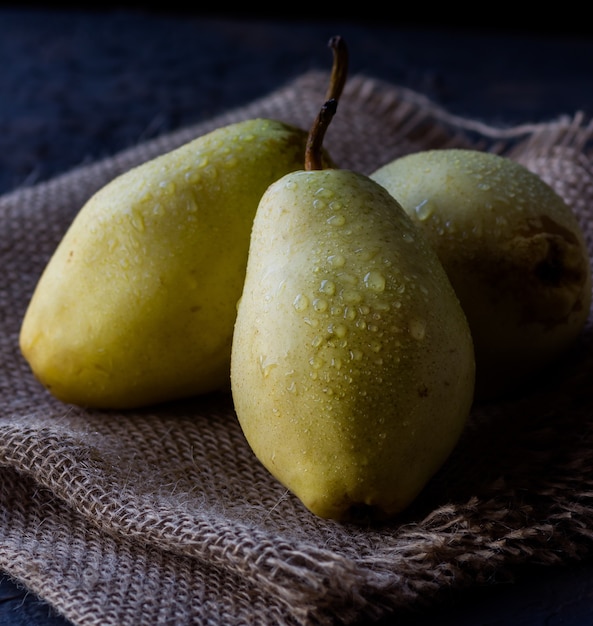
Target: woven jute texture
point(164, 516)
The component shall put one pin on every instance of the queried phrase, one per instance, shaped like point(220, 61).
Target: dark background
point(78, 85)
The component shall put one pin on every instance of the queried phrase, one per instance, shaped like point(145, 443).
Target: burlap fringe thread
point(163, 516)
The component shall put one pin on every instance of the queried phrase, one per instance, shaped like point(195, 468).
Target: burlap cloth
point(164, 516)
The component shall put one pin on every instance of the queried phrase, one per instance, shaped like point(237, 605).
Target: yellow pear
point(352, 366)
point(138, 303)
point(513, 251)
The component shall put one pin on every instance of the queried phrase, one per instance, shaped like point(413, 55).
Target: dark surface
point(76, 86)
point(19, 608)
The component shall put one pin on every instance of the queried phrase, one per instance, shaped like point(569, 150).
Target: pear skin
point(352, 366)
point(514, 253)
point(138, 303)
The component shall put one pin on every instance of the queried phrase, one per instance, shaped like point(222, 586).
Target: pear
point(137, 304)
point(514, 253)
point(352, 365)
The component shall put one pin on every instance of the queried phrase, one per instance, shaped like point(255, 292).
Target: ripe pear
point(514, 253)
point(352, 366)
point(138, 302)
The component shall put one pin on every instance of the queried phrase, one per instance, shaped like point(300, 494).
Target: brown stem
point(339, 68)
point(313, 150)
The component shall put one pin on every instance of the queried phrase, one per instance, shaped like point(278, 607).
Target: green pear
point(513, 251)
point(138, 302)
point(352, 365)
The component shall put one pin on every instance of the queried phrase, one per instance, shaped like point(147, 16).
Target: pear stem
point(339, 68)
point(313, 150)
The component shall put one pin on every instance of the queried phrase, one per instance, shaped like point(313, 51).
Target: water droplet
point(423, 210)
point(336, 260)
point(336, 220)
point(336, 362)
point(168, 186)
point(319, 304)
point(137, 221)
point(190, 205)
point(324, 193)
point(374, 281)
point(336, 311)
point(340, 330)
point(351, 296)
point(417, 328)
point(231, 160)
point(366, 254)
point(328, 287)
point(292, 388)
point(349, 313)
point(318, 204)
point(316, 362)
point(317, 341)
point(301, 302)
point(356, 355)
point(266, 366)
point(192, 176)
